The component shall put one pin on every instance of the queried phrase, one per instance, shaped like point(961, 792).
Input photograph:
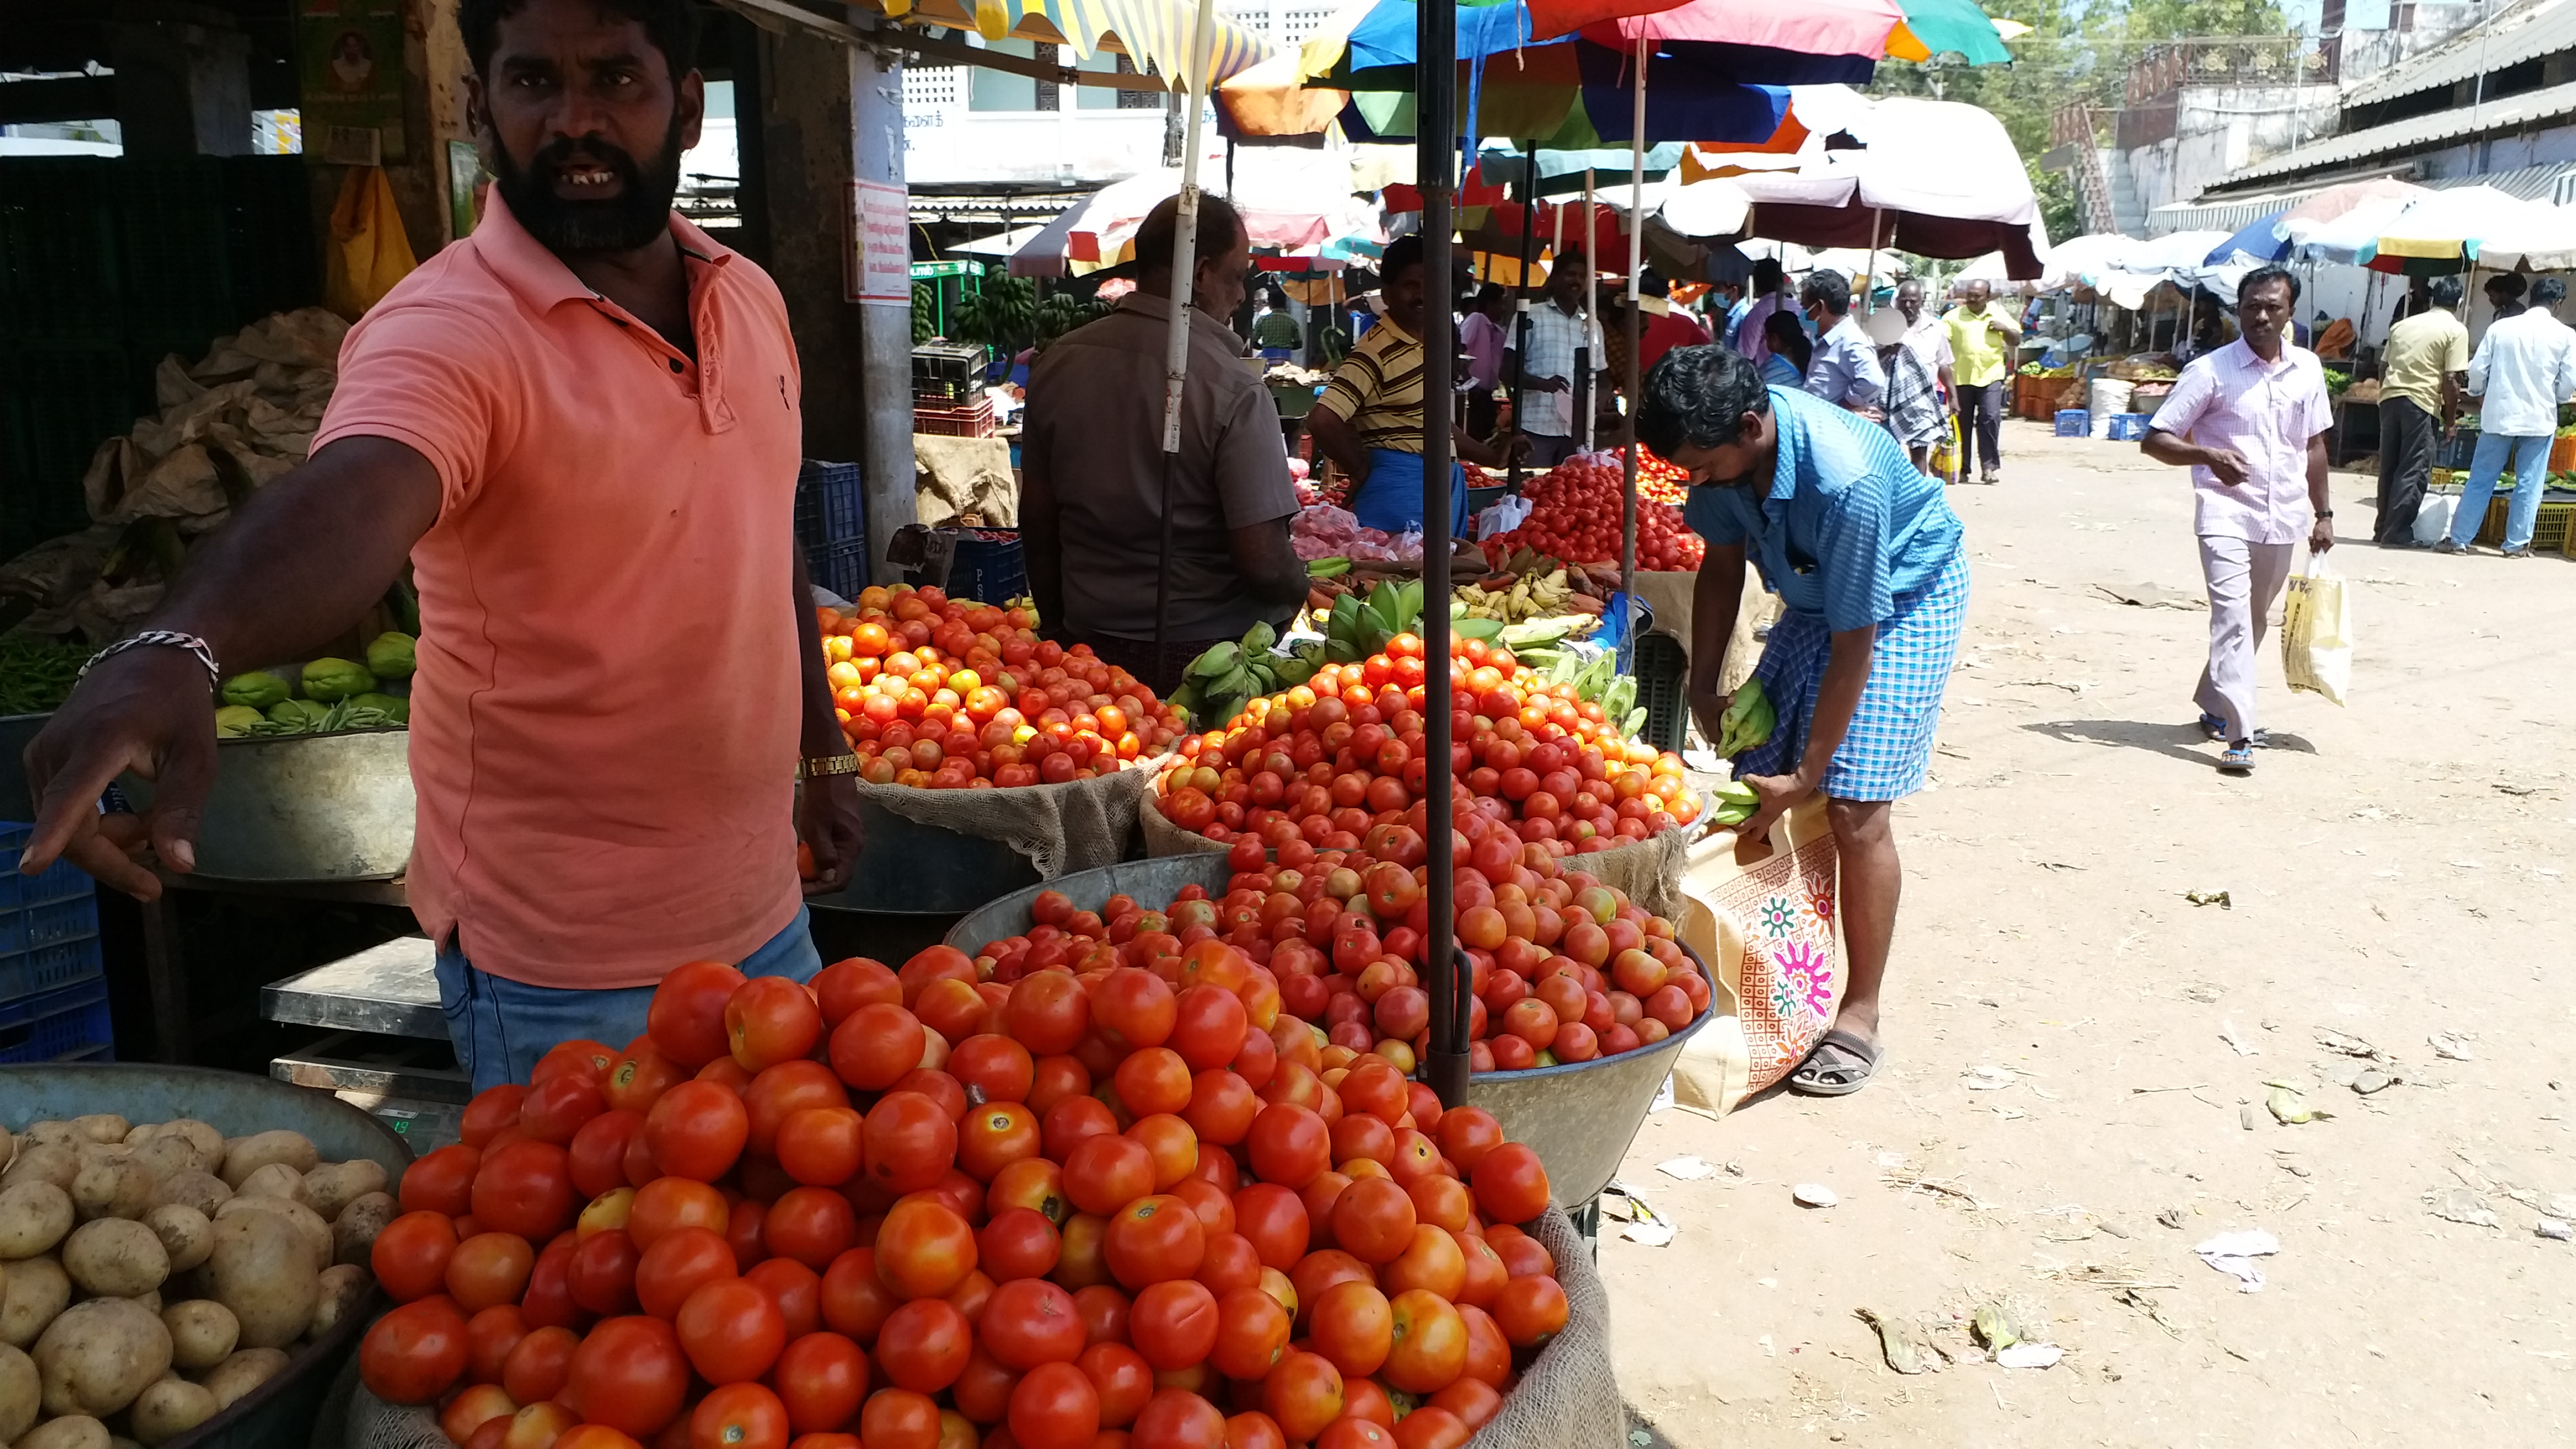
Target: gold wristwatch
point(814, 765)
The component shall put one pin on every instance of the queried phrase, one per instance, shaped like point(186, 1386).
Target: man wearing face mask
point(585, 401)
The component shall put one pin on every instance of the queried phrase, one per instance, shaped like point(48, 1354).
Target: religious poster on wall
point(350, 59)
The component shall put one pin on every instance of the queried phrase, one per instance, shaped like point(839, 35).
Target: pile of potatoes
point(151, 1275)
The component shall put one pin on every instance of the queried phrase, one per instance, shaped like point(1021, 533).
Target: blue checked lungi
point(1888, 749)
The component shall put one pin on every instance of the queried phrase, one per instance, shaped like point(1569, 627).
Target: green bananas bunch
point(1748, 721)
point(1359, 628)
point(1218, 684)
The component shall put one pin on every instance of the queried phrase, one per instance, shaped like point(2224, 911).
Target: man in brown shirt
point(1094, 481)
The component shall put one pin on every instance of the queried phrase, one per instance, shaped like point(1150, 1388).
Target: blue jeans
point(501, 1027)
point(2530, 457)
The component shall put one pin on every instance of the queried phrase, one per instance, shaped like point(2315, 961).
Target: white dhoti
point(2245, 580)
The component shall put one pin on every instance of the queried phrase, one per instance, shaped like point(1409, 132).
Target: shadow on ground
point(2181, 741)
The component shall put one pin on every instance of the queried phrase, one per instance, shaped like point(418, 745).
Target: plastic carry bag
point(2433, 517)
point(2316, 632)
point(1762, 914)
point(368, 251)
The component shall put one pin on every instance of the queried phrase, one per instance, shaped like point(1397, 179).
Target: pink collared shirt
point(2266, 412)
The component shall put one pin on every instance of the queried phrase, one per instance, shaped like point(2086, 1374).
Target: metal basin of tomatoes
point(1578, 1116)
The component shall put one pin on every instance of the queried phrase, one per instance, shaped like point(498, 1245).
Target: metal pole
point(1521, 301)
point(1876, 215)
point(1435, 137)
point(1176, 349)
point(1584, 361)
point(1636, 361)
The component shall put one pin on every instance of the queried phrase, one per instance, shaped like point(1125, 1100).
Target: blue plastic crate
point(2129, 427)
point(841, 568)
point(72, 1024)
point(831, 505)
point(46, 968)
point(62, 881)
point(2074, 423)
point(986, 567)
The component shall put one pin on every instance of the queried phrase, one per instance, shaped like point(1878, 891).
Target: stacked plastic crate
point(53, 983)
point(832, 526)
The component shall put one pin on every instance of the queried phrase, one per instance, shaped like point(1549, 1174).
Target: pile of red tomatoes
point(1564, 968)
point(1661, 481)
point(1575, 516)
point(1337, 758)
point(940, 1208)
point(946, 694)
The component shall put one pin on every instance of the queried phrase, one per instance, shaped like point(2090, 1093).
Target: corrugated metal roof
point(2517, 35)
point(2530, 183)
point(2417, 132)
point(2230, 215)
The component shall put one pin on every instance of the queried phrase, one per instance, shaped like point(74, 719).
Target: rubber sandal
point(1854, 1063)
point(2212, 726)
point(2237, 759)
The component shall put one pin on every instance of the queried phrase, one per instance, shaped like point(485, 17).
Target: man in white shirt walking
point(2249, 419)
point(2523, 369)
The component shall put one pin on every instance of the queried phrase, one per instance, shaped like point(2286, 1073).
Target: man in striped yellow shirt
point(1369, 419)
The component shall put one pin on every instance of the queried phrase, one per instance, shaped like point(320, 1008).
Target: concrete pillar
point(182, 88)
point(885, 329)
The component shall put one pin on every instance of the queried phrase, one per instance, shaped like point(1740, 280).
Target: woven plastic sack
point(1648, 871)
point(1569, 1398)
point(2316, 632)
point(1078, 825)
point(1762, 915)
point(371, 1423)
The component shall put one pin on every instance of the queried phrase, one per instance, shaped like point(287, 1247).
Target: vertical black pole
point(1436, 127)
point(1521, 297)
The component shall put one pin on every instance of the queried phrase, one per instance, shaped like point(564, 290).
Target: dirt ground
point(2076, 1093)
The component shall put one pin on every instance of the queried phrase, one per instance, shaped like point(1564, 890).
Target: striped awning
point(1155, 34)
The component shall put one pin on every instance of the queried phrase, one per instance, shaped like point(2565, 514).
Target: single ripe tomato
point(492, 1109)
point(796, 1289)
point(557, 1108)
point(812, 1225)
point(822, 1146)
point(596, 1156)
point(473, 1407)
point(1432, 1427)
point(697, 1130)
point(731, 1330)
point(845, 986)
point(411, 1254)
point(1252, 1332)
point(770, 1019)
point(782, 1090)
point(667, 1204)
point(525, 1187)
point(638, 1079)
point(900, 1419)
point(1510, 1183)
point(1054, 1407)
point(855, 1302)
point(1174, 1324)
point(995, 1135)
point(740, 1415)
point(602, 1274)
point(1274, 1219)
point(876, 1044)
point(822, 1379)
point(1530, 1310)
point(909, 1141)
point(489, 1269)
point(1351, 1324)
point(993, 1068)
point(1155, 1239)
point(1122, 1378)
point(1105, 1172)
point(442, 1181)
point(1373, 1220)
point(924, 1249)
point(489, 1337)
point(687, 1016)
point(1302, 1395)
point(1291, 1146)
point(1048, 1012)
point(548, 1301)
point(413, 1354)
point(678, 1264)
point(1179, 1419)
point(924, 1345)
point(1016, 1243)
point(1029, 1321)
point(1430, 1348)
point(540, 1364)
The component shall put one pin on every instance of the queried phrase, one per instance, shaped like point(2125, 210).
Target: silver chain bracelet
point(166, 638)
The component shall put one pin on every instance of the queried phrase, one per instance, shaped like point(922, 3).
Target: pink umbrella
point(1811, 27)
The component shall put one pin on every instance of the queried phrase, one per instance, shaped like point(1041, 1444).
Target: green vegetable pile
point(337, 694)
point(1219, 683)
point(36, 673)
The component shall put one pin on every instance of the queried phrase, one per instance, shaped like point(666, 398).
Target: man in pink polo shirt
point(581, 424)
point(2249, 419)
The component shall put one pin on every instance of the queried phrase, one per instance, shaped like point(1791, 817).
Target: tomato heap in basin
point(1343, 754)
point(1575, 516)
point(1564, 968)
point(918, 1210)
point(948, 694)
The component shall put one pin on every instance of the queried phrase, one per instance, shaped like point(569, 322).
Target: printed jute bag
point(1761, 913)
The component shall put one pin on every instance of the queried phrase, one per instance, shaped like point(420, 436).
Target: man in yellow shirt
point(1982, 342)
point(2427, 369)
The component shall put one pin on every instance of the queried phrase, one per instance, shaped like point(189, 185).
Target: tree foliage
point(2075, 52)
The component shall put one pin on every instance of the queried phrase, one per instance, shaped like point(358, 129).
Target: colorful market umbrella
point(1935, 27)
point(2259, 239)
point(1289, 200)
point(2446, 231)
